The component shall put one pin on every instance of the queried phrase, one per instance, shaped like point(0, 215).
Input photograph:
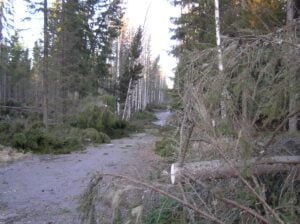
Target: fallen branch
point(154, 188)
point(217, 169)
point(246, 209)
point(21, 108)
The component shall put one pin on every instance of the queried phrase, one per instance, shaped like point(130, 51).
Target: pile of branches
point(254, 92)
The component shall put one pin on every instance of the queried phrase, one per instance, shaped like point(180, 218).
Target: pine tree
point(36, 73)
point(107, 27)
point(18, 70)
point(5, 23)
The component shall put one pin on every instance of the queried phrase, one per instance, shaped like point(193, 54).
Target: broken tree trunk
point(217, 169)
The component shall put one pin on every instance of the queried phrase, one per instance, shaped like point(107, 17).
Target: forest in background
point(91, 72)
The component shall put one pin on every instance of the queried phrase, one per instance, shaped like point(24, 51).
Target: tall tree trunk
point(220, 57)
point(63, 75)
point(118, 73)
point(293, 95)
point(45, 66)
point(127, 101)
point(140, 94)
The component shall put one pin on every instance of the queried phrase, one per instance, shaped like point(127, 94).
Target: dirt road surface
point(45, 189)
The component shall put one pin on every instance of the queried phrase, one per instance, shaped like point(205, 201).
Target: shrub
point(104, 137)
point(76, 133)
point(119, 124)
point(101, 119)
point(19, 140)
point(69, 144)
point(145, 115)
point(19, 126)
point(34, 140)
point(164, 148)
point(93, 135)
point(4, 126)
point(109, 100)
point(226, 128)
point(37, 125)
point(109, 119)
point(169, 212)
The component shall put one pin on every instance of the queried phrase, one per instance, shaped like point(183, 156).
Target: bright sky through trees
point(157, 26)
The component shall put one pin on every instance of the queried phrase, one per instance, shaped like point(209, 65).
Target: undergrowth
point(168, 212)
point(93, 124)
point(165, 148)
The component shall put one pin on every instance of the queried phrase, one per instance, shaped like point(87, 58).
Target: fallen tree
point(217, 169)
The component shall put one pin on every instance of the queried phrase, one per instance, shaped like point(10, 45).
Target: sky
point(157, 25)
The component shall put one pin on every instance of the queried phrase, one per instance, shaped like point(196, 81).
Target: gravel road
point(45, 189)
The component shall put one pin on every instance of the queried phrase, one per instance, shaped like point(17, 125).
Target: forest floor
point(44, 189)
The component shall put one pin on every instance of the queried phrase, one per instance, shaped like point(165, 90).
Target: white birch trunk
point(220, 56)
point(118, 73)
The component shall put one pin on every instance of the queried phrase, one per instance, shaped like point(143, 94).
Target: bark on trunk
point(220, 57)
point(127, 101)
point(218, 169)
point(118, 73)
point(293, 95)
point(45, 67)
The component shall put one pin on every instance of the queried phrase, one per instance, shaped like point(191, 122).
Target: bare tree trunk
point(218, 169)
point(5, 88)
point(220, 57)
point(136, 97)
point(293, 95)
point(45, 67)
point(140, 95)
point(127, 101)
point(128, 115)
point(186, 131)
point(118, 73)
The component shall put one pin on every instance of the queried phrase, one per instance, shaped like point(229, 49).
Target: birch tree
point(220, 59)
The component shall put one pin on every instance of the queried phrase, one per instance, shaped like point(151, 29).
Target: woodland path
point(45, 189)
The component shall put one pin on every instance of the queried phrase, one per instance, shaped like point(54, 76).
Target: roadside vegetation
point(95, 123)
